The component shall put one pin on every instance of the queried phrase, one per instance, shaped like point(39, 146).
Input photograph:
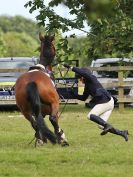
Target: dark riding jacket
point(92, 88)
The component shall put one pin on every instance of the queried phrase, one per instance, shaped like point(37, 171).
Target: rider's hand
point(67, 66)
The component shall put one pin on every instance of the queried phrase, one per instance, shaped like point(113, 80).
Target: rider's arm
point(82, 72)
point(84, 96)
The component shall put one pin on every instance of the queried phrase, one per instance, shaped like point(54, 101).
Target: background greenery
point(109, 31)
point(89, 154)
point(110, 22)
point(19, 37)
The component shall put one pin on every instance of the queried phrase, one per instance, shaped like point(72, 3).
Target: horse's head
point(47, 52)
point(47, 40)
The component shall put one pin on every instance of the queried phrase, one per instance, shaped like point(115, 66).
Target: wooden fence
point(121, 84)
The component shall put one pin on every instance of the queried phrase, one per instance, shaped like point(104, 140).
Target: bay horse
point(36, 96)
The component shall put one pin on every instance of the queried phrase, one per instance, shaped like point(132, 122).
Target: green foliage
point(18, 37)
point(2, 45)
point(111, 24)
point(79, 50)
point(113, 38)
point(19, 24)
point(56, 23)
point(20, 44)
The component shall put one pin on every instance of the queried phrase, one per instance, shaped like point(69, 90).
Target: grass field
point(89, 154)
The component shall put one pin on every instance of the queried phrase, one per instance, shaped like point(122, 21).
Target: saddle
point(38, 67)
point(43, 69)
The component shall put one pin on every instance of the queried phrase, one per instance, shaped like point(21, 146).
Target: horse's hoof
point(39, 139)
point(64, 144)
point(39, 142)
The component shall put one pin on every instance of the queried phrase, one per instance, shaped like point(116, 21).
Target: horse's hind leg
point(58, 131)
point(37, 133)
point(33, 122)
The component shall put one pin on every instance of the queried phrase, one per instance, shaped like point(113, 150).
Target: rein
point(63, 77)
point(65, 102)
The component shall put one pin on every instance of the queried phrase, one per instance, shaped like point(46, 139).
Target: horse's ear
point(41, 37)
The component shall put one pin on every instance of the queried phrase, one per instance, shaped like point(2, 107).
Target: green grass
point(89, 154)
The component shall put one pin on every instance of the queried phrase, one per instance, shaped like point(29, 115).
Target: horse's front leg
point(58, 131)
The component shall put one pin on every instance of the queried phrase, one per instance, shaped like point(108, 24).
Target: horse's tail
point(34, 99)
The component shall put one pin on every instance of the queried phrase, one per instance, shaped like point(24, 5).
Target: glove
point(67, 66)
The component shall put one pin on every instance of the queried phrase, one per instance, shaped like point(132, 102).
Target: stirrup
point(106, 129)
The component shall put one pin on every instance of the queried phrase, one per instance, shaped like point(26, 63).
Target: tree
point(18, 40)
point(111, 24)
point(79, 48)
point(20, 44)
point(56, 23)
point(2, 45)
point(113, 38)
point(84, 10)
point(19, 24)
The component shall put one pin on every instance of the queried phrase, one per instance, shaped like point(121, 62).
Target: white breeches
point(103, 110)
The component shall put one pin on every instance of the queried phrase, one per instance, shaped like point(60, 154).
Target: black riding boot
point(108, 127)
point(123, 133)
point(100, 121)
